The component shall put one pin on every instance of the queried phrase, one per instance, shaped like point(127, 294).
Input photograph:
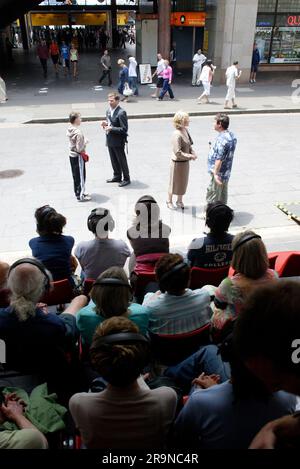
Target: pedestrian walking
point(167, 75)
point(3, 95)
point(158, 73)
point(220, 160)
point(254, 64)
point(198, 61)
point(105, 62)
point(65, 54)
point(78, 157)
point(116, 129)
point(74, 57)
point(132, 75)
point(123, 78)
point(182, 154)
point(206, 78)
point(232, 74)
point(43, 54)
point(173, 58)
point(54, 54)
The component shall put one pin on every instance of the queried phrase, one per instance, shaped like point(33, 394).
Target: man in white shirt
point(159, 72)
point(232, 74)
point(198, 61)
point(132, 75)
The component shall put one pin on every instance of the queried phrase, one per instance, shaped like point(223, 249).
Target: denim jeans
point(133, 83)
point(166, 89)
point(205, 360)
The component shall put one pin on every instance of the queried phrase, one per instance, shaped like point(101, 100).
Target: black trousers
point(78, 172)
point(44, 65)
point(119, 163)
point(106, 73)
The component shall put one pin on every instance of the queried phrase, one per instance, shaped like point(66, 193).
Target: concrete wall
point(234, 36)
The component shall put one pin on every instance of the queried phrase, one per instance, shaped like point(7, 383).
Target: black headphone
point(145, 199)
point(36, 263)
point(101, 213)
point(112, 282)
point(120, 338)
point(215, 207)
point(43, 215)
point(171, 272)
point(245, 240)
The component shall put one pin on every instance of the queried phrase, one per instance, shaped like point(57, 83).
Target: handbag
point(127, 90)
point(84, 156)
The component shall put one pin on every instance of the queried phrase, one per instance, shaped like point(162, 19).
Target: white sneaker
point(85, 198)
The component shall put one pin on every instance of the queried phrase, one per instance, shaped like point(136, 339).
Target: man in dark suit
point(116, 127)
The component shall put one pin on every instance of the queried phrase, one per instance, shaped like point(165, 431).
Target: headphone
point(101, 213)
point(214, 208)
point(36, 263)
point(245, 240)
point(145, 199)
point(171, 272)
point(46, 211)
point(120, 338)
point(112, 282)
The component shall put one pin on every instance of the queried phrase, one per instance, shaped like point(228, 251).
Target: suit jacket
point(117, 137)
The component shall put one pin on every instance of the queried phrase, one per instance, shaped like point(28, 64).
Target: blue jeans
point(205, 360)
point(133, 83)
point(166, 89)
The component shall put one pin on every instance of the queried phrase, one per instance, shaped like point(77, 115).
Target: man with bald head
point(32, 334)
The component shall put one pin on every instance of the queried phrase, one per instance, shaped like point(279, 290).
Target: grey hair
point(27, 284)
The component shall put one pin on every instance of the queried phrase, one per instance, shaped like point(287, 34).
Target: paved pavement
point(266, 170)
point(31, 98)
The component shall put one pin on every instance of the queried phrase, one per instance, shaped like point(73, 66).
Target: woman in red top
point(54, 52)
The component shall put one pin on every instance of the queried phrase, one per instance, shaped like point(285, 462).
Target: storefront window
point(288, 5)
point(189, 5)
point(266, 6)
point(285, 45)
point(263, 42)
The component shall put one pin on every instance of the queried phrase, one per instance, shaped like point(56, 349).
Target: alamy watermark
point(2, 352)
point(296, 93)
point(296, 352)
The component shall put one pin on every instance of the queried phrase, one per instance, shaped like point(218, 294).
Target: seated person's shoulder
point(197, 243)
point(166, 230)
point(69, 240)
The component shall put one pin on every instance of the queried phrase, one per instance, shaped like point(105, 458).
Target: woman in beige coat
point(180, 163)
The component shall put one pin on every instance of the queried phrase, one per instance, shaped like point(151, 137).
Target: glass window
point(263, 42)
point(265, 20)
point(267, 5)
point(289, 5)
point(190, 5)
point(286, 45)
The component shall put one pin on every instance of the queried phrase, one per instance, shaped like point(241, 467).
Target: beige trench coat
point(180, 166)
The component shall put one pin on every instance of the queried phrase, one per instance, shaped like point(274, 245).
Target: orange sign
point(188, 18)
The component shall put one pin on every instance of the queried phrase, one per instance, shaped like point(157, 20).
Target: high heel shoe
point(180, 205)
point(170, 205)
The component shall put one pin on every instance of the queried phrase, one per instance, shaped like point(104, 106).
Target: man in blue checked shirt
point(220, 160)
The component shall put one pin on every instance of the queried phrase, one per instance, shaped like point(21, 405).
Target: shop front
point(277, 33)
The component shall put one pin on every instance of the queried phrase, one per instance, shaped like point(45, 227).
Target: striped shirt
point(170, 314)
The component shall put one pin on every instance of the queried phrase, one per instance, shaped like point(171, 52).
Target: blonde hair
point(251, 257)
point(179, 119)
point(121, 62)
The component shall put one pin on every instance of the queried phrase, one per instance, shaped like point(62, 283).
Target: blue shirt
point(223, 150)
point(65, 52)
point(213, 419)
point(170, 314)
point(88, 320)
point(123, 75)
point(54, 251)
point(210, 251)
point(255, 57)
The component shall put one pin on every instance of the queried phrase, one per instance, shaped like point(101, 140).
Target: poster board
point(145, 74)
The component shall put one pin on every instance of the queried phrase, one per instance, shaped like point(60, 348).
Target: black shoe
point(124, 183)
point(113, 180)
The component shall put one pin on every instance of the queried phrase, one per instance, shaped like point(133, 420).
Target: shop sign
point(188, 18)
point(293, 20)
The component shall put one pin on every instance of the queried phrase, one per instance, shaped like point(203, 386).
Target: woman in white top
point(74, 57)
point(206, 77)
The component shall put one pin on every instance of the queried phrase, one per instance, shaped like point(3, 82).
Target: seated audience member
point(27, 436)
point(267, 339)
point(214, 250)
point(110, 296)
point(51, 247)
point(4, 292)
point(34, 336)
point(176, 309)
point(148, 235)
point(251, 265)
point(102, 252)
point(127, 414)
point(228, 415)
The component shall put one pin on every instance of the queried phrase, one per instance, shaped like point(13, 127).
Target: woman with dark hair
point(214, 250)
point(51, 247)
point(228, 415)
point(127, 414)
point(206, 77)
point(148, 235)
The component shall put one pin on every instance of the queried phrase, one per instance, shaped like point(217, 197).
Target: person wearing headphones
point(214, 250)
point(127, 414)
point(34, 337)
point(51, 247)
point(251, 270)
point(111, 295)
point(175, 309)
point(102, 252)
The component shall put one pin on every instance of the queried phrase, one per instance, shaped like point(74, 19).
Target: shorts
point(160, 82)
point(74, 61)
point(254, 68)
point(55, 59)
